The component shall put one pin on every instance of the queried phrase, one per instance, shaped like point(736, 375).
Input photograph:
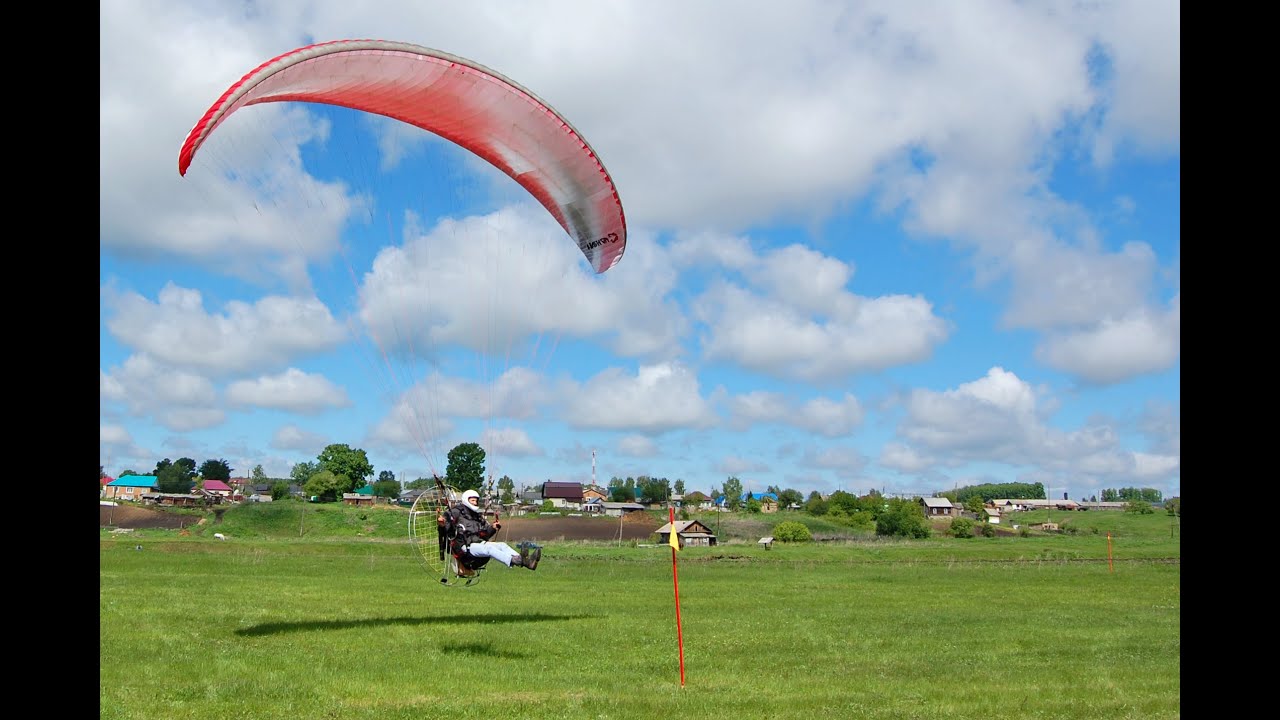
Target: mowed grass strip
point(339, 628)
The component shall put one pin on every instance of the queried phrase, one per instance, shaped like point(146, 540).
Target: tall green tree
point(732, 492)
point(506, 490)
point(815, 505)
point(258, 474)
point(654, 490)
point(621, 490)
point(679, 486)
point(174, 479)
point(185, 464)
point(302, 472)
point(387, 476)
point(466, 466)
point(975, 505)
point(387, 488)
point(215, 470)
point(325, 485)
point(345, 461)
point(789, 497)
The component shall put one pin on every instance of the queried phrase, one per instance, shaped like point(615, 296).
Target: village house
point(939, 507)
point(131, 487)
point(217, 487)
point(691, 533)
point(563, 494)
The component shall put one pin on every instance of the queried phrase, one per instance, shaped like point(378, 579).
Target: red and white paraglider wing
point(463, 102)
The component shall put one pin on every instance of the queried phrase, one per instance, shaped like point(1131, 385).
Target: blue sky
point(906, 247)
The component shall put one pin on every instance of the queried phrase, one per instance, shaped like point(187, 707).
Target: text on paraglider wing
point(609, 239)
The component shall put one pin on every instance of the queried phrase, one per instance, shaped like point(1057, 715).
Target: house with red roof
point(217, 487)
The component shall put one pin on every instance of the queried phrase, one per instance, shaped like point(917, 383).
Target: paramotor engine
point(430, 538)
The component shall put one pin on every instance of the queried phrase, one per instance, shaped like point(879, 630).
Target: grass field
point(1045, 626)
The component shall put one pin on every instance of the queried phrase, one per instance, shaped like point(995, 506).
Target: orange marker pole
point(675, 580)
point(1109, 563)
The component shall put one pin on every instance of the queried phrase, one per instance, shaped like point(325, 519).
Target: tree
point(324, 485)
point(185, 464)
point(387, 488)
point(1173, 506)
point(387, 476)
point(654, 490)
point(279, 489)
point(695, 498)
point(975, 505)
point(303, 471)
point(506, 490)
point(679, 486)
point(215, 470)
point(343, 461)
point(174, 479)
point(1141, 507)
point(466, 466)
point(991, 491)
point(789, 497)
point(732, 493)
point(846, 502)
point(420, 484)
point(903, 519)
point(258, 475)
point(620, 491)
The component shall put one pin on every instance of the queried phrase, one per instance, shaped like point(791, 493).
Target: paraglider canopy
point(456, 99)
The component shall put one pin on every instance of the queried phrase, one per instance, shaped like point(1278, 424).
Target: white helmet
point(467, 495)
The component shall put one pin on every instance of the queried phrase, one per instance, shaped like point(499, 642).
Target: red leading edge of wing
point(463, 102)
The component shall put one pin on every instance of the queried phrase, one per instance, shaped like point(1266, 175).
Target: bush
point(988, 530)
point(1141, 507)
point(962, 527)
point(792, 531)
point(902, 519)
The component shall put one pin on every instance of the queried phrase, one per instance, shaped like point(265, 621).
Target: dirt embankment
point(136, 518)
point(633, 526)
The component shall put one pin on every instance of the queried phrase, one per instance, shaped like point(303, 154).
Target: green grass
point(271, 626)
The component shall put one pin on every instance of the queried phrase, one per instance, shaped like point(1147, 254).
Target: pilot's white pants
point(499, 551)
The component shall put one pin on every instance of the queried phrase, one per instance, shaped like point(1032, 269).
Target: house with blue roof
point(132, 487)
